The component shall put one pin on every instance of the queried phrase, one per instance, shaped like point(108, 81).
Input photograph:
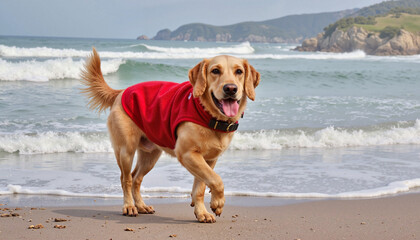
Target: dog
point(148, 118)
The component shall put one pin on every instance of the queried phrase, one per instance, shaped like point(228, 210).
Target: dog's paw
point(205, 217)
point(144, 209)
point(216, 204)
point(129, 210)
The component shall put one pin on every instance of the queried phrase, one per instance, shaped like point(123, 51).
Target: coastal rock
point(164, 34)
point(373, 41)
point(143, 37)
point(357, 38)
point(309, 45)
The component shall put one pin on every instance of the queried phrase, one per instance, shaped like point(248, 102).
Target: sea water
point(341, 125)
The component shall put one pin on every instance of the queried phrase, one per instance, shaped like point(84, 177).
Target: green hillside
point(406, 21)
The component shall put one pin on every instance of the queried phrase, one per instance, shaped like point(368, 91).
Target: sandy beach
point(395, 217)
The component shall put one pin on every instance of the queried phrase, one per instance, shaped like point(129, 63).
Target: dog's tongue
point(230, 107)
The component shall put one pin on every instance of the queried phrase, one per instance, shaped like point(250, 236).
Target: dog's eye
point(215, 71)
point(239, 71)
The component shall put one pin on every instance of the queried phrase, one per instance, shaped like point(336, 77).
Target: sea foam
point(326, 138)
point(42, 71)
point(243, 48)
point(154, 53)
point(18, 189)
point(53, 142)
point(177, 192)
point(392, 188)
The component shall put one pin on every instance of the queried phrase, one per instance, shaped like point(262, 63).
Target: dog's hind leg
point(145, 162)
point(125, 137)
point(124, 157)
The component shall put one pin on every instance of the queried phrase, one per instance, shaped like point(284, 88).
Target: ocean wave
point(177, 192)
point(326, 138)
point(154, 53)
point(53, 142)
point(312, 56)
point(330, 137)
point(243, 48)
point(42, 71)
point(13, 51)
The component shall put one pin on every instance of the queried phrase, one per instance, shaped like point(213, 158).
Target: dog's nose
point(230, 89)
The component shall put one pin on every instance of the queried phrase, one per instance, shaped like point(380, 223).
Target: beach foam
point(177, 192)
point(392, 188)
point(42, 71)
point(17, 189)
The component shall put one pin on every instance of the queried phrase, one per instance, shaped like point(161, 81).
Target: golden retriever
point(221, 85)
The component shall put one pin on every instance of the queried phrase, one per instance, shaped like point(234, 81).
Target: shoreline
point(378, 218)
point(58, 201)
point(55, 201)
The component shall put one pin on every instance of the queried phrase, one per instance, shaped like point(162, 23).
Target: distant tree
point(389, 32)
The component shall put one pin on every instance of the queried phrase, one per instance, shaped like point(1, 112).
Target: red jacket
point(159, 107)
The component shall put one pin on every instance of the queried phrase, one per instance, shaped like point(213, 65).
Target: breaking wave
point(330, 137)
point(153, 53)
point(42, 71)
point(326, 138)
point(53, 142)
point(311, 56)
point(244, 50)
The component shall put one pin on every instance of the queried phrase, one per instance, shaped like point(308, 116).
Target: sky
point(132, 18)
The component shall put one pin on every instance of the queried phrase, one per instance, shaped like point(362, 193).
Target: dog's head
point(223, 83)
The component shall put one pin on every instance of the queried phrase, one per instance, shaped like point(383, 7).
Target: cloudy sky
point(131, 18)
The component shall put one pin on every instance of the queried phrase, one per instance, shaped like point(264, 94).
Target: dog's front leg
point(197, 196)
point(194, 162)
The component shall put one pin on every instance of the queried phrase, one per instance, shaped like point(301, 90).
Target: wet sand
point(396, 217)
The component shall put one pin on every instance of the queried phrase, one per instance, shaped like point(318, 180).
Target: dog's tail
point(100, 94)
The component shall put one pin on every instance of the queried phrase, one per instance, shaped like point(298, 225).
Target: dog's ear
point(252, 79)
point(198, 78)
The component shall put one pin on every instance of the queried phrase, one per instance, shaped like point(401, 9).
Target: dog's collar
point(223, 126)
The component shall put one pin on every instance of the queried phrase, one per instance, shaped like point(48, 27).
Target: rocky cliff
point(357, 38)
